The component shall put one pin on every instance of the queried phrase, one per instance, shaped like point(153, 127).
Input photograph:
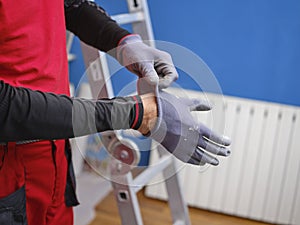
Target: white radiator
point(261, 178)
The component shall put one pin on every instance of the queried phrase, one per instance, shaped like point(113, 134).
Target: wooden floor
point(156, 212)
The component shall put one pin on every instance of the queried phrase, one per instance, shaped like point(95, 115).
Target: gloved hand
point(152, 64)
point(187, 139)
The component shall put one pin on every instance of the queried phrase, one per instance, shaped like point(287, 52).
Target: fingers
point(163, 77)
point(213, 148)
point(152, 78)
point(157, 76)
point(147, 71)
point(213, 137)
point(146, 61)
point(200, 157)
point(165, 82)
point(166, 70)
point(148, 81)
point(209, 142)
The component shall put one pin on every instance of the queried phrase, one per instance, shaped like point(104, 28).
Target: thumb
point(149, 73)
point(144, 86)
point(197, 104)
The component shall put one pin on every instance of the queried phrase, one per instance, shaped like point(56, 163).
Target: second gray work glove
point(180, 134)
point(147, 62)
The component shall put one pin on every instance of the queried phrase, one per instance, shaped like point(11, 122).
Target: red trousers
point(42, 168)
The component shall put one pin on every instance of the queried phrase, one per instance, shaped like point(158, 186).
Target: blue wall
point(252, 46)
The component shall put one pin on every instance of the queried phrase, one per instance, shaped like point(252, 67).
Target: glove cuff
point(128, 39)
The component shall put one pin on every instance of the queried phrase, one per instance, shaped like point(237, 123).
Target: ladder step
point(141, 180)
point(127, 18)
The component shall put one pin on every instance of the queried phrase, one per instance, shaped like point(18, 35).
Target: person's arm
point(30, 115)
point(92, 25)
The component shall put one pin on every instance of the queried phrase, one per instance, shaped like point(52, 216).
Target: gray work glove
point(152, 64)
point(180, 134)
point(187, 139)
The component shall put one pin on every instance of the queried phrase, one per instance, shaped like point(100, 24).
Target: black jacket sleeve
point(92, 25)
point(31, 115)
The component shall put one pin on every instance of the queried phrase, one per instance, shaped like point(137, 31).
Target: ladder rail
point(124, 186)
point(143, 179)
point(127, 18)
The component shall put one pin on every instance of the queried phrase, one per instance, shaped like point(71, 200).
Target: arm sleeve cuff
point(137, 113)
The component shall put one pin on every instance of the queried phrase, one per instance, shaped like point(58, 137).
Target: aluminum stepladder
point(123, 150)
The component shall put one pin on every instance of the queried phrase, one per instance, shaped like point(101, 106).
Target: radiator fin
point(261, 178)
